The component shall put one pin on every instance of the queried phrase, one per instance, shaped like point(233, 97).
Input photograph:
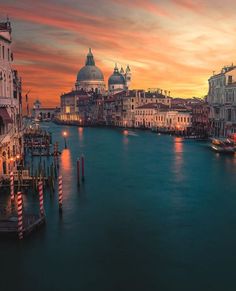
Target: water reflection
point(66, 171)
point(178, 160)
point(81, 133)
point(66, 161)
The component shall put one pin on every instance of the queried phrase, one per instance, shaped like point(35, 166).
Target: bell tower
point(128, 76)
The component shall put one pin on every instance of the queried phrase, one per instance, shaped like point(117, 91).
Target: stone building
point(10, 105)
point(200, 119)
point(40, 113)
point(222, 102)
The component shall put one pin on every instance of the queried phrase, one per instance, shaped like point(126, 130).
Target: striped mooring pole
point(20, 214)
point(82, 165)
point(78, 172)
point(60, 192)
point(12, 186)
point(41, 208)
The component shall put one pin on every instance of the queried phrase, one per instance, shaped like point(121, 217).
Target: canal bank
point(154, 213)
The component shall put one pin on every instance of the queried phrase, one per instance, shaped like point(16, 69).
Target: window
point(229, 114)
point(230, 79)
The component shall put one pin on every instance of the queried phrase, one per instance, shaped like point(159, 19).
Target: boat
point(225, 146)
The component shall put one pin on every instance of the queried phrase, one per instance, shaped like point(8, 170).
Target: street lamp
point(65, 135)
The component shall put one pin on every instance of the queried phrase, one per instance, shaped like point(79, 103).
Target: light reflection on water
point(178, 160)
point(66, 171)
point(81, 133)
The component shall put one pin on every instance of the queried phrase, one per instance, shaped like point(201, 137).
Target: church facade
point(91, 78)
point(90, 91)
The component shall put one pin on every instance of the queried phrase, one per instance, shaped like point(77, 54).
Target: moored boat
point(225, 146)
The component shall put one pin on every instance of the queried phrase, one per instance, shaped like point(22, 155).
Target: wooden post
point(12, 187)
point(82, 165)
point(41, 208)
point(20, 214)
point(78, 172)
point(60, 192)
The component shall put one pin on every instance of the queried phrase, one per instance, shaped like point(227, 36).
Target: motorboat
point(225, 146)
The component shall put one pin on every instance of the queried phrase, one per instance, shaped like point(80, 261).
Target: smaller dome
point(116, 78)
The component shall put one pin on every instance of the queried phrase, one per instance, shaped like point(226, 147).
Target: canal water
point(155, 213)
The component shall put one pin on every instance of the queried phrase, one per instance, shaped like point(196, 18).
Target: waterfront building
point(145, 115)
point(10, 105)
point(120, 108)
point(200, 119)
point(221, 99)
point(174, 120)
point(162, 118)
point(43, 113)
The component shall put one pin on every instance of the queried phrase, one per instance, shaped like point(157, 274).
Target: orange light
point(18, 157)
point(126, 132)
point(11, 159)
point(64, 133)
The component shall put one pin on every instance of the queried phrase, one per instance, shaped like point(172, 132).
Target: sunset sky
point(169, 44)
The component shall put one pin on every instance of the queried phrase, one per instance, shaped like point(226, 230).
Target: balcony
point(5, 101)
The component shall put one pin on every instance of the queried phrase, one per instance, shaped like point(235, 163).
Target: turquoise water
point(154, 213)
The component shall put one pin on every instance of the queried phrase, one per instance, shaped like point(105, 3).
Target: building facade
point(40, 113)
point(222, 102)
point(10, 105)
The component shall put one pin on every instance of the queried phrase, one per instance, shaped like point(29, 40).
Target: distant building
point(43, 113)
point(11, 145)
point(222, 102)
point(200, 119)
point(162, 118)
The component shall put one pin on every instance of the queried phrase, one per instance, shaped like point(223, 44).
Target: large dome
point(116, 78)
point(90, 72)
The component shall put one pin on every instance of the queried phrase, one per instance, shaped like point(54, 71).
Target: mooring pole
point(82, 164)
point(41, 208)
point(60, 192)
point(20, 214)
point(12, 187)
point(78, 172)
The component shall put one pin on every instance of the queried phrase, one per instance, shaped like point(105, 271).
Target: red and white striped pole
point(12, 186)
point(20, 214)
point(60, 192)
point(41, 208)
point(82, 164)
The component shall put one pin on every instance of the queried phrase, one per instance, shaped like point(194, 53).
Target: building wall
point(96, 86)
point(11, 144)
point(222, 101)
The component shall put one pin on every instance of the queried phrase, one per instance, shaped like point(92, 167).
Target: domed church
point(90, 77)
point(119, 80)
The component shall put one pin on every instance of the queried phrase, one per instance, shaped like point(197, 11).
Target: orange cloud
point(168, 44)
